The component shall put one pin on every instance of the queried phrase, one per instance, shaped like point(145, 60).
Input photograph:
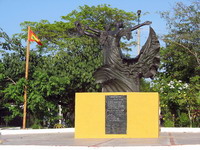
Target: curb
point(36, 131)
point(181, 130)
point(67, 130)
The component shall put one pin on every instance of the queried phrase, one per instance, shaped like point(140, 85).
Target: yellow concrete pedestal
point(142, 115)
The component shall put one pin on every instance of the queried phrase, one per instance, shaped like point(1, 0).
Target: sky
point(14, 12)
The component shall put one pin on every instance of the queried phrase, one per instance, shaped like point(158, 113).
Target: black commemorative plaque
point(116, 114)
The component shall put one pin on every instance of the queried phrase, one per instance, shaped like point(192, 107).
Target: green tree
point(76, 58)
point(180, 67)
point(10, 72)
point(64, 64)
point(181, 57)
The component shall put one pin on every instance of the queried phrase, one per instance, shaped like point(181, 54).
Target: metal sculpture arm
point(82, 31)
point(140, 25)
point(93, 30)
point(125, 32)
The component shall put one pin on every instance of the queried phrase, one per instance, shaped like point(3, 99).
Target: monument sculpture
point(118, 73)
point(120, 110)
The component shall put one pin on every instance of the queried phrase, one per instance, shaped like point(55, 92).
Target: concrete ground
point(64, 139)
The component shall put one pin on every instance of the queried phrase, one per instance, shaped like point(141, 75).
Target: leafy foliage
point(61, 67)
point(178, 82)
point(182, 41)
point(179, 101)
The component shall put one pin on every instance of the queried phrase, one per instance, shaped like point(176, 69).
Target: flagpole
point(26, 77)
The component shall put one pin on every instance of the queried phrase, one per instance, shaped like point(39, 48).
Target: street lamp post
point(138, 35)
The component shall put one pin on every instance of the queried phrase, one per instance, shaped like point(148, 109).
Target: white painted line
point(32, 147)
point(36, 131)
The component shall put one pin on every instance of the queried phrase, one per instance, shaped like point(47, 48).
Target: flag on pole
point(33, 37)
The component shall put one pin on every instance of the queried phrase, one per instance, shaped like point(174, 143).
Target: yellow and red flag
point(33, 37)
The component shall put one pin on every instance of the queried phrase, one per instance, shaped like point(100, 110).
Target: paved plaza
point(64, 139)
